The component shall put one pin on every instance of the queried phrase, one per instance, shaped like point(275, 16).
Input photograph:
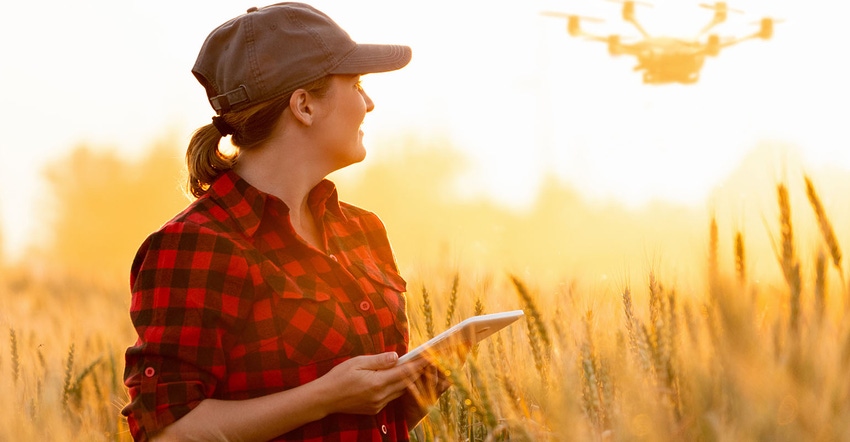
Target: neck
point(289, 175)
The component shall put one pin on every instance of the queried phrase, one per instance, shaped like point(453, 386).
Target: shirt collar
point(246, 204)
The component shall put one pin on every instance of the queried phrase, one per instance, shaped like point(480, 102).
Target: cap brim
point(374, 58)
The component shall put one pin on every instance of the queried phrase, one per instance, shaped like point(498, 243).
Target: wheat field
point(725, 356)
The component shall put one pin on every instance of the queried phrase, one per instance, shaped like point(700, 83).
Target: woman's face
point(343, 109)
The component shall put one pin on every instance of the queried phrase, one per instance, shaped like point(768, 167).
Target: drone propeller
point(636, 2)
point(566, 15)
point(617, 39)
point(720, 7)
point(767, 19)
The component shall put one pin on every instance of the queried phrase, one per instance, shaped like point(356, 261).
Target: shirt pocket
point(312, 326)
point(391, 287)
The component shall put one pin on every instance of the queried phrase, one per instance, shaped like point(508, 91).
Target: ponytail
point(205, 161)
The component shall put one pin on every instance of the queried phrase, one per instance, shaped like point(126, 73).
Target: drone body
point(664, 60)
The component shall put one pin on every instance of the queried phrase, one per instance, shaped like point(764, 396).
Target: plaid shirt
point(229, 304)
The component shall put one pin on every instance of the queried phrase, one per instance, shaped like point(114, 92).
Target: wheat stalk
point(68, 385)
point(452, 301)
point(789, 262)
point(536, 330)
point(428, 311)
point(479, 310)
point(535, 318)
point(485, 405)
point(713, 264)
point(16, 360)
point(589, 392)
point(820, 285)
point(636, 342)
point(826, 231)
point(740, 259)
point(824, 224)
point(655, 302)
point(596, 391)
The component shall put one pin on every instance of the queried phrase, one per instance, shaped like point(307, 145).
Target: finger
point(405, 381)
point(411, 370)
point(380, 361)
point(425, 392)
point(416, 363)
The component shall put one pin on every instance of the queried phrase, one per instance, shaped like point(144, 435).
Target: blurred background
point(514, 166)
point(505, 140)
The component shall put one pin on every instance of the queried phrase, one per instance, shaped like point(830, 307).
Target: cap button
point(252, 9)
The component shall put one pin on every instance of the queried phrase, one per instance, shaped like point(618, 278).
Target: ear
point(302, 107)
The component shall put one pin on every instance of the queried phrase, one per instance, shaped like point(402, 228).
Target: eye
point(358, 84)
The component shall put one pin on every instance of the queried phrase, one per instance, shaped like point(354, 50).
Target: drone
point(666, 60)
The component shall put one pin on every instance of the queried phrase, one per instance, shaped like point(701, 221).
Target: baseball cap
point(271, 51)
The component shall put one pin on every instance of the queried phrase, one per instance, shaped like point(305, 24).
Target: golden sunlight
point(662, 189)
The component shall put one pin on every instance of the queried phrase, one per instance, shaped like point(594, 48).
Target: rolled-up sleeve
point(189, 289)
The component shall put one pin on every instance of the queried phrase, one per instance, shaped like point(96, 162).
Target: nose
point(369, 103)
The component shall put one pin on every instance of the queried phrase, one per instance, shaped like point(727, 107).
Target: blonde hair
point(251, 127)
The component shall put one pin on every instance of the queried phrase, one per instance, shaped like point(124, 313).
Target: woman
point(268, 309)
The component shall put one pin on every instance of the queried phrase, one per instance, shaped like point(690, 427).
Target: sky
point(506, 85)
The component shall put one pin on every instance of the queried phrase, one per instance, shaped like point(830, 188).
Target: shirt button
point(149, 372)
point(333, 257)
point(364, 306)
point(384, 429)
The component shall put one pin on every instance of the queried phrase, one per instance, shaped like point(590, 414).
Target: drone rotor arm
point(714, 22)
point(721, 12)
point(640, 28)
point(556, 14)
point(732, 41)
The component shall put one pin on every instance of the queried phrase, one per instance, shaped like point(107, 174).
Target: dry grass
point(66, 338)
point(722, 357)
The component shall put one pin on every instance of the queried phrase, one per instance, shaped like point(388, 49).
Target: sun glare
point(506, 86)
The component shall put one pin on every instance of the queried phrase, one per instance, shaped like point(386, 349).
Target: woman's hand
point(430, 385)
point(423, 393)
point(366, 384)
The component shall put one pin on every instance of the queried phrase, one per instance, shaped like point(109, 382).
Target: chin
point(360, 155)
point(359, 158)
point(352, 159)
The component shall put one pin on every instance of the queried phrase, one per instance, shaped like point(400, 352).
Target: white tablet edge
point(497, 321)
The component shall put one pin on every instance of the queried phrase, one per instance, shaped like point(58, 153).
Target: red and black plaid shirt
point(229, 304)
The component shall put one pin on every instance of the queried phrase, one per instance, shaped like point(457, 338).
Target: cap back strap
point(222, 103)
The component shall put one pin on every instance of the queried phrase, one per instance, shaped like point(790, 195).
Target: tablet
point(467, 333)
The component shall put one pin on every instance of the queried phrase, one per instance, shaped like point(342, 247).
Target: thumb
point(380, 361)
